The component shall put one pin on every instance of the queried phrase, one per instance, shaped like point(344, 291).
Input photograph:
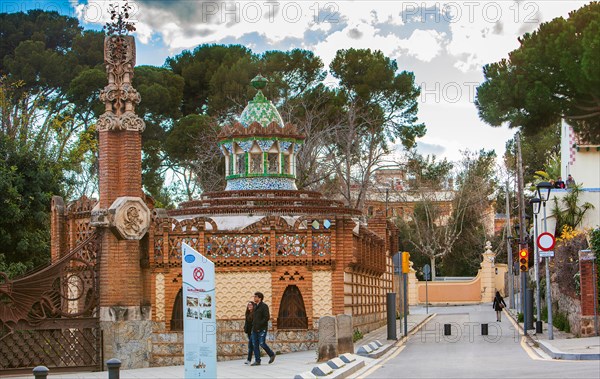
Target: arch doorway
point(292, 313)
point(177, 315)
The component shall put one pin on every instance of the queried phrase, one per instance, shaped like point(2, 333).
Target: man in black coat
point(260, 324)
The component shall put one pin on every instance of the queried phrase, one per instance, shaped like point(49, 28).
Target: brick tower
point(121, 216)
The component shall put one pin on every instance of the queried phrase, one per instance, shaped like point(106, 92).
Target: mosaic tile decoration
point(228, 146)
point(265, 145)
point(245, 145)
point(261, 183)
point(284, 145)
point(297, 147)
point(260, 110)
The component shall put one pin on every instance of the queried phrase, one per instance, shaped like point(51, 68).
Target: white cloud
point(424, 44)
point(445, 43)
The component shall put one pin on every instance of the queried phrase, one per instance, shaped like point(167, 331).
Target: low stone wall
point(569, 306)
point(369, 322)
point(451, 292)
point(481, 289)
point(232, 343)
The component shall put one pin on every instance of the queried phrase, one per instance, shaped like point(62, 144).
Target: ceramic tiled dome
point(260, 150)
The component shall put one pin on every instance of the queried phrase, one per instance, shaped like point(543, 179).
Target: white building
point(580, 159)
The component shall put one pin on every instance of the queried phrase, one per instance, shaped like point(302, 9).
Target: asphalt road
point(466, 353)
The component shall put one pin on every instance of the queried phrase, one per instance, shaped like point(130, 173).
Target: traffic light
point(405, 262)
point(524, 259)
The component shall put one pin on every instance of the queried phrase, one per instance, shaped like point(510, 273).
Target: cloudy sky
point(444, 43)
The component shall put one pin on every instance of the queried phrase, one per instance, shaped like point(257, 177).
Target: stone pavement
point(564, 345)
point(285, 365)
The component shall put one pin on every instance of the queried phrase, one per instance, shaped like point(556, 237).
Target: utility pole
point(521, 228)
point(511, 287)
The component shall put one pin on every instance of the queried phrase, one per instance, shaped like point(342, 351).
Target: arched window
point(177, 315)
point(292, 314)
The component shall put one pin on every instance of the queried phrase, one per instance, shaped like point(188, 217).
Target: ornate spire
point(119, 96)
point(260, 109)
point(259, 82)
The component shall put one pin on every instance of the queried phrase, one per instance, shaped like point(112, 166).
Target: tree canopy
point(51, 74)
point(554, 74)
point(27, 184)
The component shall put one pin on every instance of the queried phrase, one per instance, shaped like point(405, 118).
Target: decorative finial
point(259, 82)
point(119, 20)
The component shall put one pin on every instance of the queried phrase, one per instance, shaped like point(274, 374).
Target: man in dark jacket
point(260, 324)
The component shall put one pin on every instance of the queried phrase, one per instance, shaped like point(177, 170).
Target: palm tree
point(572, 214)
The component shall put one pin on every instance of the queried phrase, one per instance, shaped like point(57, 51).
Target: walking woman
point(498, 304)
point(248, 329)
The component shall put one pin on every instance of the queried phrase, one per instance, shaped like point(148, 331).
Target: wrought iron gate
point(50, 316)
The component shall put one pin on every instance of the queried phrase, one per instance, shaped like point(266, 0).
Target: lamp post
point(511, 287)
point(543, 190)
point(536, 203)
point(521, 306)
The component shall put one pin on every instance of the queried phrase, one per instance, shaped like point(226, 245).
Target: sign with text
point(199, 319)
point(547, 254)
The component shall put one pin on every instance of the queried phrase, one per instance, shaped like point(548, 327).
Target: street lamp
point(536, 205)
point(543, 190)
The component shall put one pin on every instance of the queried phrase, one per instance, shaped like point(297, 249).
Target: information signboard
point(199, 319)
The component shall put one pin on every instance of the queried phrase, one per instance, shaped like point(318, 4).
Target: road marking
point(533, 355)
point(533, 351)
point(401, 347)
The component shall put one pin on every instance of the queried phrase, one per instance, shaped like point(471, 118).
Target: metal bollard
point(40, 372)
point(447, 329)
point(484, 329)
point(113, 368)
point(391, 315)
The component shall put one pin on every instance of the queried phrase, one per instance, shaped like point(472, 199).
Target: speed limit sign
point(546, 241)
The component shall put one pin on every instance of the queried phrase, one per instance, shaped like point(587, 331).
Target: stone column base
point(127, 335)
point(587, 326)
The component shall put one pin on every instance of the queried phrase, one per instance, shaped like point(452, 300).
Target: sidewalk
point(285, 365)
point(564, 345)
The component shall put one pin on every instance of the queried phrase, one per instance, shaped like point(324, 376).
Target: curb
point(336, 368)
point(551, 350)
point(360, 364)
point(557, 354)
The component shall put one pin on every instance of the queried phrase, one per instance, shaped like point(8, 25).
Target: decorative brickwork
point(235, 289)
point(160, 297)
point(588, 282)
point(321, 294)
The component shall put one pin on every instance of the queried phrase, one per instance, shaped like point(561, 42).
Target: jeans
point(258, 341)
point(250, 347)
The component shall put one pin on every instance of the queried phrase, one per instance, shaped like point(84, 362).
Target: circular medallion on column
point(131, 218)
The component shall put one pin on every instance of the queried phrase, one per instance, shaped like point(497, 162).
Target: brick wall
point(120, 165)
point(588, 283)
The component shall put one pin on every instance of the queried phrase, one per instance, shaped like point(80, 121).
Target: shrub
point(544, 313)
point(566, 263)
point(357, 335)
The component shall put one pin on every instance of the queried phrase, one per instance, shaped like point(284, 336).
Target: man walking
point(260, 324)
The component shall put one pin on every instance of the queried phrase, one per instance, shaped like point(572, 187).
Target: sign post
point(405, 271)
point(426, 273)
point(199, 319)
point(545, 242)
